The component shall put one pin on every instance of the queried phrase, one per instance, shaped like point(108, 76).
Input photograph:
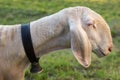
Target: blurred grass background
point(61, 65)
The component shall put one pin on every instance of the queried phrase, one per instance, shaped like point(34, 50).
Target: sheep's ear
point(80, 44)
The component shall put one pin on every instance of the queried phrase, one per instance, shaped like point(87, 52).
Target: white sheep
point(78, 28)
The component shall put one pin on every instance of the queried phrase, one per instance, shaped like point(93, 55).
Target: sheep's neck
point(48, 36)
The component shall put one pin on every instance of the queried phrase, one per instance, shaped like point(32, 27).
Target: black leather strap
point(27, 43)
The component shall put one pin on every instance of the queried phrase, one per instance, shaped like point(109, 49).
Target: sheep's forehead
point(91, 14)
point(88, 13)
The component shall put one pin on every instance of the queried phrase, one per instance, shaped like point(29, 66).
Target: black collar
point(29, 50)
point(27, 43)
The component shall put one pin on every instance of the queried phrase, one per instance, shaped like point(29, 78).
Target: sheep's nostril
point(110, 49)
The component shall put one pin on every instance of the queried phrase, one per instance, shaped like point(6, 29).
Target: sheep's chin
point(99, 53)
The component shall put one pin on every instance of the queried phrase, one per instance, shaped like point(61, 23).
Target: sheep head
point(89, 32)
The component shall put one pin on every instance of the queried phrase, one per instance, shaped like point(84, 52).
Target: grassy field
point(61, 65)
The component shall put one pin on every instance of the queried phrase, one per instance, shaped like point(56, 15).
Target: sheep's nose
point(110, 49)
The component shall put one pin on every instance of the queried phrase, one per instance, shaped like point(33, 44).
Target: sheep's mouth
point(99, 52)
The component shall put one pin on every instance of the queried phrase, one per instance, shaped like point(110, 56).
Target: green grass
point(61, 65)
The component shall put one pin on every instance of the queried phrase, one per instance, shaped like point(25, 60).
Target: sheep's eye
point(91, 25)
